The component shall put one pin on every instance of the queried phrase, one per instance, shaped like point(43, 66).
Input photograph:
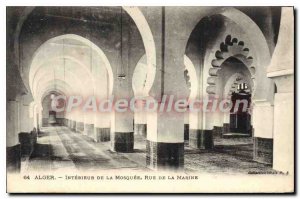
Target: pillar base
point(140, 129)
point(102, 134)
point(45, 122)
point(251, 131)
point(226, 128)
point(73, 125)
point(217, 131)
point(59, 122)
point(66, 122)
point(13, 162)
point(69, 124)
point(122, 142)
point(164, 156)
point(89, 130)
point(79, 127)
point(186, 131)
point(201, 139)
point(263, 150)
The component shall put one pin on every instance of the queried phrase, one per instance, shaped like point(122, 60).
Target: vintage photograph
point(158, 99)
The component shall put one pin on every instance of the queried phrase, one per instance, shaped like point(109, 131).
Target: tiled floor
point(60, 148)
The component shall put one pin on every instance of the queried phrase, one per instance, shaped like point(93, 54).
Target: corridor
point(60, 148)
point(199, 90)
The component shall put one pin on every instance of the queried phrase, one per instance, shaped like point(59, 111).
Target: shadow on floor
point(43, 134)
point(44, 152)
point(139, 151)
point(13, 158)
point(244, 151)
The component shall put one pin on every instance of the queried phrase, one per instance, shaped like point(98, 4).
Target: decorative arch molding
point(257, 41)
point(245, 22)
point(230, 47)
point(253, 31)
point(190, 76)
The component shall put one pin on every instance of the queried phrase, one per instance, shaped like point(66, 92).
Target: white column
point(263, 112)
point(281, 70)
point(140, 118)
point(122, 138)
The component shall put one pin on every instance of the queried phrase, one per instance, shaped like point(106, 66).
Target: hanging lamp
point(121, 75)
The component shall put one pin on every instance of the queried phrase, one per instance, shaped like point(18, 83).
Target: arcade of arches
point(192, 52)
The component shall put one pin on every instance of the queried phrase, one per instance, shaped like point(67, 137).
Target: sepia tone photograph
point(150, 99)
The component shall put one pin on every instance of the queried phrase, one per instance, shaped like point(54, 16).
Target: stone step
point(235, 135)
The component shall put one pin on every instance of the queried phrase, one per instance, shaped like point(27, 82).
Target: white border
point(3, 5)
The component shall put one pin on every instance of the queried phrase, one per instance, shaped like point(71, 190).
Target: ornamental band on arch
point(150, 99)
